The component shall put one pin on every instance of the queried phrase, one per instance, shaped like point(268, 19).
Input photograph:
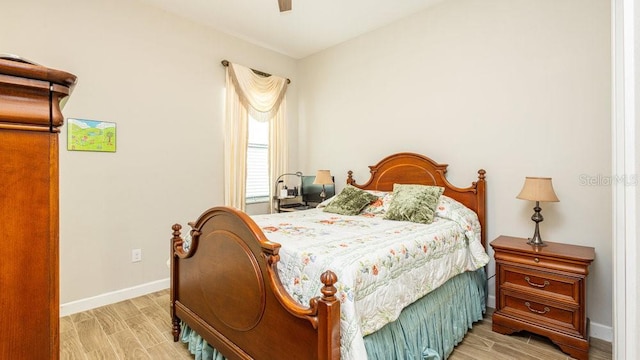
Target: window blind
point(257, 161)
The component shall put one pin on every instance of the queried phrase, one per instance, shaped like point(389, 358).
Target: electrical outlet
point(136, 255)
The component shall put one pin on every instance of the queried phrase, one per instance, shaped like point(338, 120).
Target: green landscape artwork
point(91, 135)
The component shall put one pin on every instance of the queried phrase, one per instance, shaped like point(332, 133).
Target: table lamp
point(537, 189)
point(323, 177)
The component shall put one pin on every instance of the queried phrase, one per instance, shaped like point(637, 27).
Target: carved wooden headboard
point(410, 168)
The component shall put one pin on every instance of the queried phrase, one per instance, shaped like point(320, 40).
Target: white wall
point(160, 79)
point(517, 87)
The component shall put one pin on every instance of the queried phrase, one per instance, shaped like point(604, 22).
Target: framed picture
point(91, 135)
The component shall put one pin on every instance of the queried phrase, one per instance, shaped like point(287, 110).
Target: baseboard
point(596, 330)
point(491, 301)
point(602, 332)
point(112, 297)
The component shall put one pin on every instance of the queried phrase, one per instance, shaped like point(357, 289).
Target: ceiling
point(311, 25)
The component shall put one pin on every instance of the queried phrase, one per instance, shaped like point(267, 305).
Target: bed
point(229, 286)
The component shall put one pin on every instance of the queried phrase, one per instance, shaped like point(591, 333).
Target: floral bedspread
point(382, 265)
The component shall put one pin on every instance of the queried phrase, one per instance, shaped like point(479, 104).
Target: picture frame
point(91, 135)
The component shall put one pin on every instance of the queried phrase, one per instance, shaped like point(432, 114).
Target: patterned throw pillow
point(379, 207)
point(350, 201)
point(416, 203)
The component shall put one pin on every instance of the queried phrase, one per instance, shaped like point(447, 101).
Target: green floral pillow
point(350, 201)
point(416, 203)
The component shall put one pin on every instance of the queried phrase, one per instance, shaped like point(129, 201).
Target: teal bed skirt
point(426, 330)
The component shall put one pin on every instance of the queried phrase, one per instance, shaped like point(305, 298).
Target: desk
point(291, 203)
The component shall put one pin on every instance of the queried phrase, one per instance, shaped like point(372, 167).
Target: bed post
point(480, 186)
point(175, 240)
point(328, 319)
point(350, 179)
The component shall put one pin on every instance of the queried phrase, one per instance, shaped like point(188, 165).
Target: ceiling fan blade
point(285, 5)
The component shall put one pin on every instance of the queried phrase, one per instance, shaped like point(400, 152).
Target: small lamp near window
point(276, 194)
point(537, 189)
point(323, 177)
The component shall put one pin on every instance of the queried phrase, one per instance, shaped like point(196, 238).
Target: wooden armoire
point(30, 121)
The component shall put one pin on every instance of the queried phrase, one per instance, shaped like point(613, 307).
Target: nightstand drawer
point(540, 260)
point(547, 284)
point(544, 314)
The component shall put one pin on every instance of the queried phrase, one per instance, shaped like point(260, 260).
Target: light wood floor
point(140, 328)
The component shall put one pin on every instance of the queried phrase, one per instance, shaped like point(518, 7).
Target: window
point(258, 161)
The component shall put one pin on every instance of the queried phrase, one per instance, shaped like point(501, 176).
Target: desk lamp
point(278, 181)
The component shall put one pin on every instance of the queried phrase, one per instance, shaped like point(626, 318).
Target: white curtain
point(264, 99)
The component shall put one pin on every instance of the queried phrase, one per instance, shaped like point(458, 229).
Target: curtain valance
point(260, 95)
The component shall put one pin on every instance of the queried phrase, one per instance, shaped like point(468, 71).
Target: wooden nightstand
point(543, 290)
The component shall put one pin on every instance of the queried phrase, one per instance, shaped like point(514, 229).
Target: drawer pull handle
point(546, 309)
point(528, 280)
point(536, 260)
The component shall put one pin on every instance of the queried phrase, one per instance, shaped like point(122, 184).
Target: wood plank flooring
point(140, 328)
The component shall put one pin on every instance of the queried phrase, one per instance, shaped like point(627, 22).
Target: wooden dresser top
point(555, 250)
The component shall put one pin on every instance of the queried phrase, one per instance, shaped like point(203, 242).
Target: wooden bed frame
point(226, 286)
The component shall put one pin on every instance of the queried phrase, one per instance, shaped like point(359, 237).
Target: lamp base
point(536, 240)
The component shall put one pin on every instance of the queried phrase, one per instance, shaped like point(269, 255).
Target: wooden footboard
point(226, 287)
